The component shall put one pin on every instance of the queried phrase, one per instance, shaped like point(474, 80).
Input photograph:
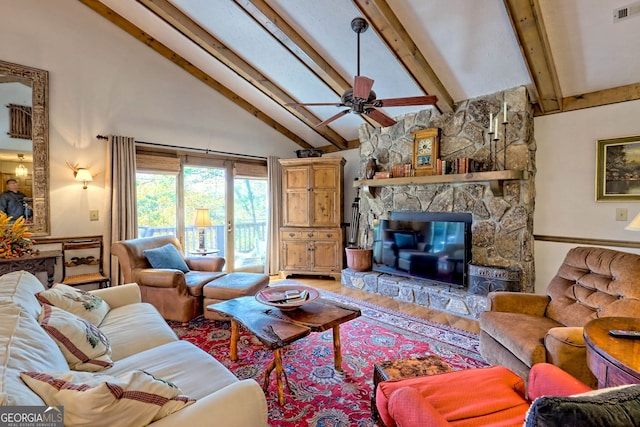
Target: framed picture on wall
point(618, 169)
point(426, 143)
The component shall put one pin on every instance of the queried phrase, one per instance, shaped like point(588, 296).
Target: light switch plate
point(622, 214)
point(93, 215)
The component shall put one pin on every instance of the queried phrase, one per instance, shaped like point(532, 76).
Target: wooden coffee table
point(277, 328)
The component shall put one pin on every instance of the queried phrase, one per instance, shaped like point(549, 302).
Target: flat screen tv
point(435, 246)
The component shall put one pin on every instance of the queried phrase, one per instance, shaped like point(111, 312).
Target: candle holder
point(494, 141)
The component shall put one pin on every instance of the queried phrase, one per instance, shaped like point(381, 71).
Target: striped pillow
point(77, 301)
point(133, 399)
point(84, 346)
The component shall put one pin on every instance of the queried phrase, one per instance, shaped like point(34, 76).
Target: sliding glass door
point(156, 194)
point(232, 195)
point(250, 224)
point(205, 188)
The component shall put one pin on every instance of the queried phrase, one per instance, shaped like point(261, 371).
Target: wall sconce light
point(83, 175)
point(21, 170)
point(202, 221)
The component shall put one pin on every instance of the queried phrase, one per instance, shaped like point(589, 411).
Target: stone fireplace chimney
point(502, 226)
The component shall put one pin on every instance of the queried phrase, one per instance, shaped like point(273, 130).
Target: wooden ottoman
point(390, 370)
point(233, 285)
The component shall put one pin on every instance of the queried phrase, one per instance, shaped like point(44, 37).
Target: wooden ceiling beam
point(181, 62)
point(217, 49)
point(599, 98)
point(295, 43)
point(528, 25)
point(388, 26)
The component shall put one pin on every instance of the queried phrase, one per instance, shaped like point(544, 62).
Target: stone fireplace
point(502, 225)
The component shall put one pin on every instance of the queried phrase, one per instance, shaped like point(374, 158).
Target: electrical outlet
point(622, 214)
point(93, 215)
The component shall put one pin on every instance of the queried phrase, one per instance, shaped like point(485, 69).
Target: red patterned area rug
point(322, 396)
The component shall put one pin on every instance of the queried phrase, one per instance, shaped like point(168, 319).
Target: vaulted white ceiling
point(262, 54)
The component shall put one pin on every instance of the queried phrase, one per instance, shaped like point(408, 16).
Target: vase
point(370, 169)
point(359, 259)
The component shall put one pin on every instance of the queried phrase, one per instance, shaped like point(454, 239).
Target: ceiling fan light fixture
point(361, 99)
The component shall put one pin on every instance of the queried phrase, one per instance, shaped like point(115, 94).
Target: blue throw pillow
point(166, 256)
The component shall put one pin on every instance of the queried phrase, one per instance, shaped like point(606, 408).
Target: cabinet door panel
point(296, 209)
point(295, 255)
point(325, 177)
point(296, 196)
point(324, 208)
point(325, 255)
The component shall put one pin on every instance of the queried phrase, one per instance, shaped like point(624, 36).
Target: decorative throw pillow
point(166, 256)
point(84, 346)
point(132, 399)
point(77, 301)
point(616, 406)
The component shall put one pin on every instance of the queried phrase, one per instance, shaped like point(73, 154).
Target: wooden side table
point(614, 361)
point(43, 261)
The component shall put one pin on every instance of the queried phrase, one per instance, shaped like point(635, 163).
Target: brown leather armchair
point(520, 329)
point(176, 295)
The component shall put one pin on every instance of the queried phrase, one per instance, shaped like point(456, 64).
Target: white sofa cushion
point(138, 317)
point(84, 346)
point(20, 287)
point(24, 346)
point(83, 304)
point(133, 399)
point(196, 372)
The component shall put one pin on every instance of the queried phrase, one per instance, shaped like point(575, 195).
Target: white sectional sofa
point(140, 339)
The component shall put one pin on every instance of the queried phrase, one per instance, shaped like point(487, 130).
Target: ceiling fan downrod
point(359, 25)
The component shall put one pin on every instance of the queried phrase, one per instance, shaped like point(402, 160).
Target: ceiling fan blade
point(381, 118)
point(362, 87)
point(332, 118)
point(314, 104)
point(406, 101)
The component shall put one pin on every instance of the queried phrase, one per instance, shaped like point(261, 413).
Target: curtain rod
point(203, 150)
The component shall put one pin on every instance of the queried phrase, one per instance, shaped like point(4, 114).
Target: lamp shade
point(635, 224)
point(202, 218)
point(84, 175)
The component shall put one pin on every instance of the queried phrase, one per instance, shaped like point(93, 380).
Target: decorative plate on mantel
point(287, 297)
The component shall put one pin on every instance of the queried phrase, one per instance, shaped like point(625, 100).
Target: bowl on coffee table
point(287, 297)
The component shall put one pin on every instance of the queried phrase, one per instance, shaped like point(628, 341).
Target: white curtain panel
point(121, 201)
point(274, 174)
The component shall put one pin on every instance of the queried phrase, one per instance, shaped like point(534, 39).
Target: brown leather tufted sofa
point(520, 329)
point(176, 295)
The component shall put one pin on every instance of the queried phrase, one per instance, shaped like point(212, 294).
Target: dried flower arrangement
point(15, 239)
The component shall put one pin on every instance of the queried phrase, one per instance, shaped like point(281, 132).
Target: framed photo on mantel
point(426, 143)
point(618, 169)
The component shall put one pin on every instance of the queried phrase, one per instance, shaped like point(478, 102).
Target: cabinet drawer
point(327, 235)
point(290, 234)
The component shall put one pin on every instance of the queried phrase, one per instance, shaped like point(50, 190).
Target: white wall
point(103, 81)
point(565, 182)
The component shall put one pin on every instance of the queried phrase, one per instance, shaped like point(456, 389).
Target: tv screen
point(435, 246)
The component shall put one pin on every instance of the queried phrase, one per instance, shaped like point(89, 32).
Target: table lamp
point(635, 224)
point(202, 221)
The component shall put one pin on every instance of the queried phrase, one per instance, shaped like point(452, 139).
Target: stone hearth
point(420, 292)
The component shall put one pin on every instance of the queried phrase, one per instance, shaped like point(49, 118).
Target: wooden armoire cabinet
point(311, 235)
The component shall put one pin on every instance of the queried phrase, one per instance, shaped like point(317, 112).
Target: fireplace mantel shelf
point(495, 178)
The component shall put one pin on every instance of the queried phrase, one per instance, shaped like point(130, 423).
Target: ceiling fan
point(361, 99)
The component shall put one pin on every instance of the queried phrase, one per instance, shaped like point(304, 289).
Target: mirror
point(25, 80)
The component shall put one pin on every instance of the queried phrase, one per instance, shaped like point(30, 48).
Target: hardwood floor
point(403, 307)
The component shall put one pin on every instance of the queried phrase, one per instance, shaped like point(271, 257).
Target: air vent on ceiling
point(627, 11)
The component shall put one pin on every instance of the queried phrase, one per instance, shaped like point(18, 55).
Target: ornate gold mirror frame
point(39, 80)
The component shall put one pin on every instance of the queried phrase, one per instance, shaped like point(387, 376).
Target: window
point(170, 189)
